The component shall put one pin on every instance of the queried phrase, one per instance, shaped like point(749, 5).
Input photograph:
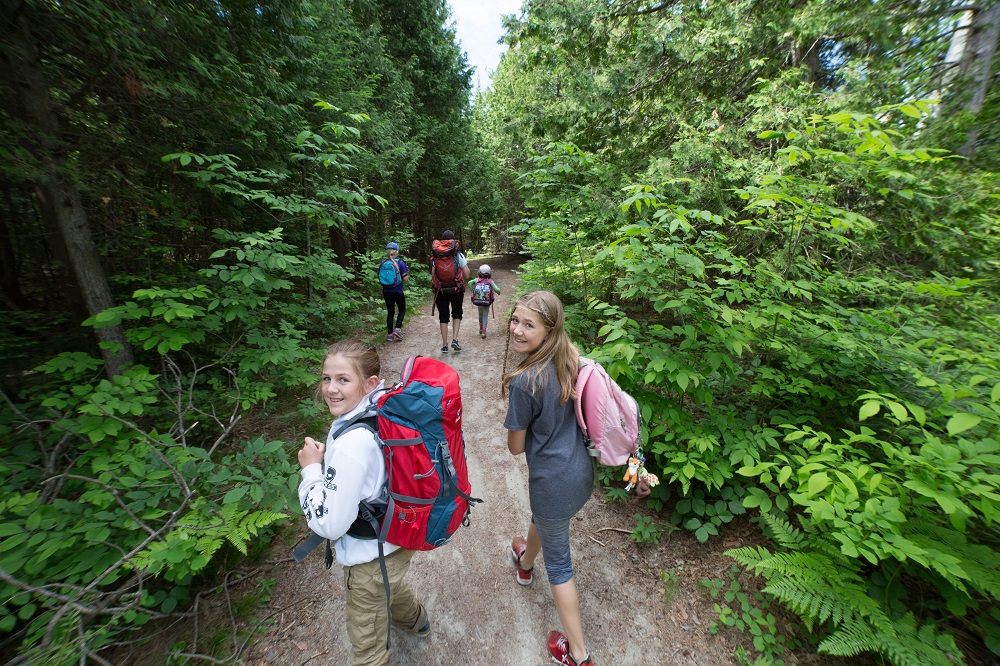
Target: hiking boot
point(455, 345)
point(517, 548)
point(421, 627)
point(399, 334)
point(444, 350)
point(559, 649)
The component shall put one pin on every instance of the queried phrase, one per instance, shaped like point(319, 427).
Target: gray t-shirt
point(560, 471)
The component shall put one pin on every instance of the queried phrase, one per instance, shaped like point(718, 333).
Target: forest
point(776, 224)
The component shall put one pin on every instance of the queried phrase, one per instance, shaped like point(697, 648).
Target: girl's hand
point(312, 452)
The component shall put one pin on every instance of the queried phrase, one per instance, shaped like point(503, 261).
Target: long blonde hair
point(556, 347)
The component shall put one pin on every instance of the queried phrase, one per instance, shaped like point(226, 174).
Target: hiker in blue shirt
point(393, 274)
point(541, 423)
point(336, 475)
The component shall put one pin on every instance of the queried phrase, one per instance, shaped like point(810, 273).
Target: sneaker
point(390, 338)
point(444, 350)
point(399, 334)
point(455, 345)
point(482, 334)
point(421, 627)
point(517, 548)
point(559, 649)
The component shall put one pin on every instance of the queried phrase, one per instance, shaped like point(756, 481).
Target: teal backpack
point(388, 273)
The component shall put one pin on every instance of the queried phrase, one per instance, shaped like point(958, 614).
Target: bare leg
point(532, 549)
point(444, 335)
point(568, 607)
point(455, 325)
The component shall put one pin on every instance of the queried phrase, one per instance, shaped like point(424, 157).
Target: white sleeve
point(330, 493)
point(462, 261)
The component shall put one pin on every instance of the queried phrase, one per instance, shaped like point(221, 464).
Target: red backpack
point(607, 415)
point(446, 275)
point(427, 496)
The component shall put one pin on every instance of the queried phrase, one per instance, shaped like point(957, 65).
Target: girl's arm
point(515, 441)
point(330, 491)
point(495, 287)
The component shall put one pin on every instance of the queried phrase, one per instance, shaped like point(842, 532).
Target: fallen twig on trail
point(614, 529)
point(595, 540)
point(318, 654)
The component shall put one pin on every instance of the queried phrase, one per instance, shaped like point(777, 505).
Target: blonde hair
point(362, 357)
point(556, 347)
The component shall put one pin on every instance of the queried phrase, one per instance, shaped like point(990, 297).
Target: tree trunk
point(28, 101)
point(10, 279)
point(977, 66)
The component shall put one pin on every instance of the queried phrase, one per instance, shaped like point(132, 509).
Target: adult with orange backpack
point(449, 271)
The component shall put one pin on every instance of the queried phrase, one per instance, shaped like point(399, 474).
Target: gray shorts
point(554, 535)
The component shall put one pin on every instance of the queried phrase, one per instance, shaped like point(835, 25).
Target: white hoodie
point(353, 469)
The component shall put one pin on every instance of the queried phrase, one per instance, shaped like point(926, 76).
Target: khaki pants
point(367, 624)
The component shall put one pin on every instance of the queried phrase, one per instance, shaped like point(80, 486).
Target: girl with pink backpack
point(484, 291)
point(541, 423)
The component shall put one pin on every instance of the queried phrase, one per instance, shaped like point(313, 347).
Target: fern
point(248, 528)
point(782, 532)
point(813, 585)
point(980, 563)
point(823, 587)
point(902, 643)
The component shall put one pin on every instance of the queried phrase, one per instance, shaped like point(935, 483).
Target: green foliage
point(671, 583)
point(748, 613)
point(752, 332)
point(646, 530)
point(828, 590)
point(698, 514)
point(118, 518)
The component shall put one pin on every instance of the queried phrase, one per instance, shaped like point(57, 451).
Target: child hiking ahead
point(336, 476)
point(541, 423)
point(484, 290)
point(392, 274)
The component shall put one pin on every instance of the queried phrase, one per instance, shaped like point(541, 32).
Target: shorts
point(554, 534)
point(454, 301)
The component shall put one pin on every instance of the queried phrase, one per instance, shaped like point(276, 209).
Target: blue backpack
point(388, 273)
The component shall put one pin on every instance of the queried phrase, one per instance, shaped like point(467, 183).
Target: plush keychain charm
point(632, 473)
point(647, 480)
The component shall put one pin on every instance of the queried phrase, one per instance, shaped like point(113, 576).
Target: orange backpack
point(446, 276)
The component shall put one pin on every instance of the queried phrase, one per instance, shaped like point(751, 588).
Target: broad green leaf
point(961, 422)
point(818, 482)
point(869, 409)
point(898, 411)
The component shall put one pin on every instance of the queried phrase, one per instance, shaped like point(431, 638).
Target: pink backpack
point(608, 416)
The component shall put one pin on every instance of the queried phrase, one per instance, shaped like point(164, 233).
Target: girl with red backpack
point(337, 474)
point(541, 423)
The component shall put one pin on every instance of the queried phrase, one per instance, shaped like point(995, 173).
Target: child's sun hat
point(485, 270)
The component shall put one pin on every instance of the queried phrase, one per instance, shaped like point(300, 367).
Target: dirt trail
point(479, 614)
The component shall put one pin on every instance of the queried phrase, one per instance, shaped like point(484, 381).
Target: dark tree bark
point(977, 65)
point(28, 101)
point(10, 284)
